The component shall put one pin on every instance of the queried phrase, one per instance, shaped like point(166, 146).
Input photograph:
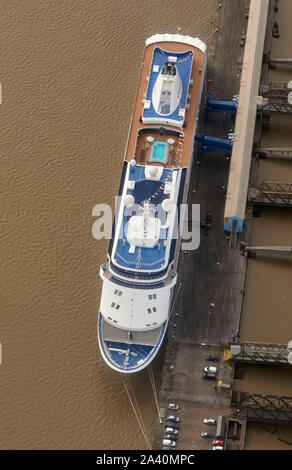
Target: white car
point(210, 369)
point(171, 431)
point(173, 406)
point(168, 443)
point(217, 448)
point(209, 421)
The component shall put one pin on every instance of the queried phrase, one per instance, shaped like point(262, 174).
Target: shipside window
point(153, 309)
point(113, 305)
point(118, 292)
point(152, 296)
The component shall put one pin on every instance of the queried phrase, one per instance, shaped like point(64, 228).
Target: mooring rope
point(140, 421)
point(151, 375)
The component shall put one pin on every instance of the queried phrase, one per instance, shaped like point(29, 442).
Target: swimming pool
point(158, 151)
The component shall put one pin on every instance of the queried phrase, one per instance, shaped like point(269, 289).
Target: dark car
point(209, 376)
point(207, 435)
point(171, 424)
point(212, 359)
point(174, 419)
point(172, 437)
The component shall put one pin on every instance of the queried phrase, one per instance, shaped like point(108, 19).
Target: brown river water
point(267, 308)
point(69, 72)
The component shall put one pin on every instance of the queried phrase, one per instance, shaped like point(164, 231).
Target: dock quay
point(207, 306)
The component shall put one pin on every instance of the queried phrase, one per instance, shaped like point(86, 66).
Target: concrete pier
point(235, 208)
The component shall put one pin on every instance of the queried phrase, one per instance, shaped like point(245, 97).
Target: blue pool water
point(158, 151)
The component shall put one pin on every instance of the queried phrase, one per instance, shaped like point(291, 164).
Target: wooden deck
point(143, 148)
point(136, 146)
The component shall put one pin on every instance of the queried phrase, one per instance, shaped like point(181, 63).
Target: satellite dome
point(167, 205)
point(153, 171)
point(128, 200)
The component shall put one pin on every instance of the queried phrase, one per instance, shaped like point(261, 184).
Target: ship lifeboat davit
point(167, 90)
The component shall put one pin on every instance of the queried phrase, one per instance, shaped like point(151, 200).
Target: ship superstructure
point(140, 272)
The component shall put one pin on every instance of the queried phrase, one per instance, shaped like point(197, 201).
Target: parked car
point(209, 375)
point(217, 448)
point(172, 437)
point(210, 369)
point(212, 358)
point(171, 424)
point(166, 448)
point(171, 430)
point(209, 421)
point(169, 443)
point(207, 435)
point(173, 419)
point(218, 443)
point(173, 406)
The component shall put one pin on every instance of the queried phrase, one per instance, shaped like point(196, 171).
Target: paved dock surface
point(208, 305)
point(212, 277)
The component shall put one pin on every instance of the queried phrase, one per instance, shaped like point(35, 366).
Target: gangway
point(221, 105)
point(261, 408)
point(271, 194)
point(261, 353)
point(274, 152)
point(209, 144)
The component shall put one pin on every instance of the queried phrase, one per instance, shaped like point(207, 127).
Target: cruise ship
point(140, 272)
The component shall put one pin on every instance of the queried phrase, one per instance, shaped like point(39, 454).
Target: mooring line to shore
point(139, 418)
point(152, 381)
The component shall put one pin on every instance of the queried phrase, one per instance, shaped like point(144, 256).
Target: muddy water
point(267, 310)
point(268, 300)
point(69, 72)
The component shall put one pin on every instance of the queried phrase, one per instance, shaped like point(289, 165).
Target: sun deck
point(133, 240)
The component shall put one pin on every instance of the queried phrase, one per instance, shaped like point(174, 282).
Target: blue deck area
point(184, 65)
point(143, 258)
point(139, 355)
